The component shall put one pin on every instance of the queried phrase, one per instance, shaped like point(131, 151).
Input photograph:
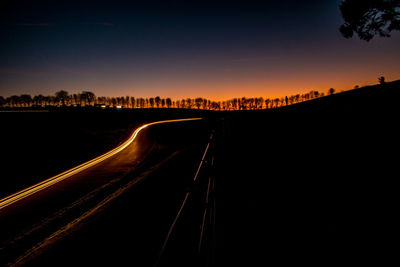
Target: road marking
point(171, 228)
point(4, 202)
point(204, 216)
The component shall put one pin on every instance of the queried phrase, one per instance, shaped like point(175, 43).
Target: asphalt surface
point(115, 212)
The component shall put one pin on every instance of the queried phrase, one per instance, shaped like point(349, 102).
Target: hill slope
point(311, 182)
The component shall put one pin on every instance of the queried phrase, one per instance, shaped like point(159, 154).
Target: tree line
point(87, 99)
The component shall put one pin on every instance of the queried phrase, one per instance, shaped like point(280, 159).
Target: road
point(151, 169)
point(64, 175)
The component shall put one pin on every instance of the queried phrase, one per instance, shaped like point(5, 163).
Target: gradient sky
point(216, 49)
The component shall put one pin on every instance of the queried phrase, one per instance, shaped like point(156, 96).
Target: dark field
point(312, 183)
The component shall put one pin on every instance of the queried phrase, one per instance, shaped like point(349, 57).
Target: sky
point(180, 49)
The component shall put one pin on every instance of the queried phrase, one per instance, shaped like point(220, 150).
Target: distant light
point(119, 107)
point(103, 106)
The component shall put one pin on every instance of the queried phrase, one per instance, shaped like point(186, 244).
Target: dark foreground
point(308, 184)
point(115, 213)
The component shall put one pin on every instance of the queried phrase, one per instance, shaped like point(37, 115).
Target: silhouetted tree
point(276, 101)
point(250, 103)
point(142, 102)
point(25, 100)
point(258, 102)
point(168, 102)
point(198, 101)
point(62, 96)
point(267, 102)
point(204, 104)
point(38, 100)
point(158, 101)
point(215, 105)
point(119, 101)
point(13, 101)
point(243, 103)
point(292, 99)
point(189, 103)
point(2, 101)
point(87, 97)
point(127, 102)
point(102, 100)
point(152, 102)
point(235, 103)
point(133, 102)
point(77, 99)
point(46, 100)
point(368, 18)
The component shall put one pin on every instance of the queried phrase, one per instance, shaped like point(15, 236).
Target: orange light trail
point(4, 202)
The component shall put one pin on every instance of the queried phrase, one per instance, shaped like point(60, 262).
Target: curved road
point(33, 220)
point(64, 175)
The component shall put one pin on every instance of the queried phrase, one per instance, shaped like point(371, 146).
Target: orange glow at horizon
point(220, 91)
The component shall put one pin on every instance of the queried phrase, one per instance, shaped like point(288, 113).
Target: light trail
point(4, 202)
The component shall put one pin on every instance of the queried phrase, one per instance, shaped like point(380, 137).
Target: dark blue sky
point(215, 49)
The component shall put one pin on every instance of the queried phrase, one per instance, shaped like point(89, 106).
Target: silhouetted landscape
point(88, 99)
point(318, 184)
point(199, 133)
point(309, 179)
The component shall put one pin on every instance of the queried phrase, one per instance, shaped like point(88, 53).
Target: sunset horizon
point(180, 52)
point(201, 133)
point(235, 92)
